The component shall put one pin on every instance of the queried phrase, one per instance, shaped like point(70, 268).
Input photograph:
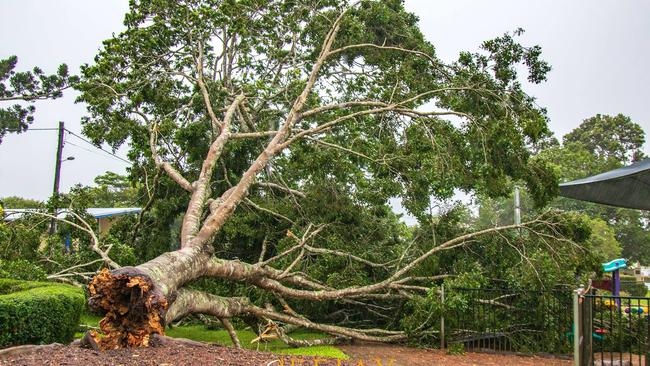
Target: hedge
point(38, 312)
point(634, 288)
point(21, 270)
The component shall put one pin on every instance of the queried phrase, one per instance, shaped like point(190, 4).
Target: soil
point(204, 354)
point(390, 355)
point(168, 355)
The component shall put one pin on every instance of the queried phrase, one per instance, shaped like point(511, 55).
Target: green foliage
point(528, 266)
point(20, 239)
point(623, 333)
point(28, 86)
point(19, 202)
point(599, 144)
point(603, 241)
point(401, 157)
point(110, 190)
point(456, 349)
point(630, 285)
point(634, 288)
point(21, 270)
point(38, 312)
point(28, 252)
point(610, 138)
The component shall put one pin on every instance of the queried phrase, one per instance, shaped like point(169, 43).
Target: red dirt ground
point(405, 356)
point(185, 354)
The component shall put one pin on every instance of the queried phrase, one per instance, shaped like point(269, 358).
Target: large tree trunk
point(135, 299)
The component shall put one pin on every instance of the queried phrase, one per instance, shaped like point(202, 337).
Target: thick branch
point(201, 191)
point(270, 279)
point(215, 220)
point(191, 301)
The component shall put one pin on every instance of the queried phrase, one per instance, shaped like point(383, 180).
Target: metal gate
point(510, 320)
point(613, 330)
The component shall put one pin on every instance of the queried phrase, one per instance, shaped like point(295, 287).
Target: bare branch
point(201, 192)
point(85, 227)
point(200, 80)
point(281, 188)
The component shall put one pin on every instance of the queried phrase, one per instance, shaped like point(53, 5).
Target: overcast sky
point(598, 50)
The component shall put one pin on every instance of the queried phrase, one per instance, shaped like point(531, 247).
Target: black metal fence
point(506, 320)
point(616, 330)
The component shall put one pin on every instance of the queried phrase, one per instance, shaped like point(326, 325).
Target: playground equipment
point(614, 267)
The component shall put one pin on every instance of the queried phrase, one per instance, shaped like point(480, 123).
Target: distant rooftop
point(11, 214)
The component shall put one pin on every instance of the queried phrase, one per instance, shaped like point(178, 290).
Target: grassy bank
point(202, 334)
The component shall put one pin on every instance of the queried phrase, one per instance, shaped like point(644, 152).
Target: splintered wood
point(133, 311)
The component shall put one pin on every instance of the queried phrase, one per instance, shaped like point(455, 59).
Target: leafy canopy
point(145, 80)
point(27, 86)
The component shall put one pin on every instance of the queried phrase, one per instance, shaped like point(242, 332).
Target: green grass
point(91, 320)
point(202, 334)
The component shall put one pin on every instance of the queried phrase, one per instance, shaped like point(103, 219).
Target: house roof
point(11, 214)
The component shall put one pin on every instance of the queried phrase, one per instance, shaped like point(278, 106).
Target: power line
point(67, 142)
point(75, 135)
point(97, 147)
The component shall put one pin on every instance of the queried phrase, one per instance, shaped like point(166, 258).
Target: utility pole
point(57, 175)
point(517, 207)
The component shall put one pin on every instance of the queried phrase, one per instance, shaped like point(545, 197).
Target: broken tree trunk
point(135, 299)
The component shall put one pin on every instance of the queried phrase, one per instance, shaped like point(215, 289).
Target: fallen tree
point(285, 79)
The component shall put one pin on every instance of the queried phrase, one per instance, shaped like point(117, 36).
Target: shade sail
point(627, 187)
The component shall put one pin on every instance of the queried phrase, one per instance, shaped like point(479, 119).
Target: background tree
point(592, 148)
point(19, 202)
point(599, 144)
point(614, 139)
point(27, 86)
point(287, 128)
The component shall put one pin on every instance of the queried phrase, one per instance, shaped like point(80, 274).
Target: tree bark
point(136, 299)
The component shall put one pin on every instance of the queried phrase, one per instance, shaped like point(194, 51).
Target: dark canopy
point(624, 187)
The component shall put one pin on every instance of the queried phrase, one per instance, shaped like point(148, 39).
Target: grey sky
point(598, 50)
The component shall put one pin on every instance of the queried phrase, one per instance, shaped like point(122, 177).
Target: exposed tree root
point(133, 308)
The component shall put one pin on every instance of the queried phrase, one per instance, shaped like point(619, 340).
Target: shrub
point(634, 288)
point(21, 270)
point(455, 349)
point(38, 312)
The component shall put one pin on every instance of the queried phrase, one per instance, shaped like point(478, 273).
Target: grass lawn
point(200, 333)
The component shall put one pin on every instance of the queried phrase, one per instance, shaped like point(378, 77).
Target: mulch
point(210, 354)
point(168, 355)
point(392, 355)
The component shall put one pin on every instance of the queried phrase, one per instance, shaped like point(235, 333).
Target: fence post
point(576, 328)
point(442, 317)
